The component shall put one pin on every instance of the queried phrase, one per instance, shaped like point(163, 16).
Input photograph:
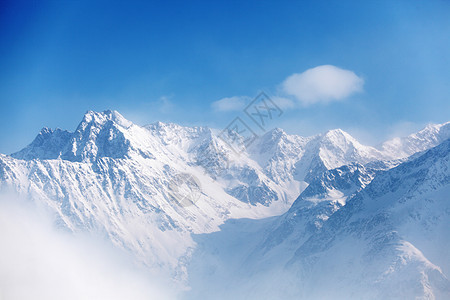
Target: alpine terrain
point(321, 217)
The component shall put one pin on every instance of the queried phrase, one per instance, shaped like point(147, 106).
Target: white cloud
point(322, 84)
point(230, 103)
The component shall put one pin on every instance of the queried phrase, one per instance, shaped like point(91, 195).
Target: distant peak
point(277, 131)
point(107, 115)
point(110, 114)
point(338, 138)
point(338, 133)
point(275, 134)
point(335, 131)
point(46, 131)
point(158, 125)
point(435, 127)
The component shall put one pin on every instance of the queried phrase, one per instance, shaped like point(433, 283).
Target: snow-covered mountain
point(287, 157)
point(430, 136)
point(159, 190)
point(127, 181)
point(355, 232)
point(393, 235)
point(146, 188)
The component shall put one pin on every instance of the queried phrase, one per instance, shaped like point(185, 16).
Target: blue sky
point(171, 61)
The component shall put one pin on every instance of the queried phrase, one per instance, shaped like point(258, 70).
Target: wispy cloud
point(230, 103)
point(322, 84)
point(164, 104)
point(403, 128)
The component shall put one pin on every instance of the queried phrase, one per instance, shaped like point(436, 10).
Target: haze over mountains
point(322, 216)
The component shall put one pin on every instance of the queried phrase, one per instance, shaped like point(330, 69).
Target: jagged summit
point(362, 232)
point(280, 156)
point(276, 133)
point(99, 134)
point(338, 136)
point(101, 118)
point(48, 144)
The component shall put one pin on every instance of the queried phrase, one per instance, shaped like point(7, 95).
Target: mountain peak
point(45, 131)
point(431, 136)
point(431, 126)
point(48, 144)
point(269, 142)
point(102, 117)
point(161, 126)
point(99, 134)
point(338, 134)
point(275, 134)
point(338, 138)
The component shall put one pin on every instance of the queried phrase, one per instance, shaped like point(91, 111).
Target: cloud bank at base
point(39, 262)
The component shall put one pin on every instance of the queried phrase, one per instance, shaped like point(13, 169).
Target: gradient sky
point(170, 61)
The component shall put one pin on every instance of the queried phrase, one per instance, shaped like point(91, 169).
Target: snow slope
point(354, 233)
point(149, 189)
point(431, 136)
point(123, 180)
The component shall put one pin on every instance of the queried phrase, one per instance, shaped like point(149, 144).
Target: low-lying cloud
point(38, 261)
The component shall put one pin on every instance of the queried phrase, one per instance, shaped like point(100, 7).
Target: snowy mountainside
point(400, 227)
point(120, 179)
point(148, 189)
point(354, 232)
point(293, 157)
point(432, 135)
point(265, 246)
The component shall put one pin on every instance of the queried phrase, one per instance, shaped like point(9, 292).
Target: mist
point(40, 261)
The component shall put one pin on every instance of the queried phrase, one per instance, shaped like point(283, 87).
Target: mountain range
point(322, 217)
